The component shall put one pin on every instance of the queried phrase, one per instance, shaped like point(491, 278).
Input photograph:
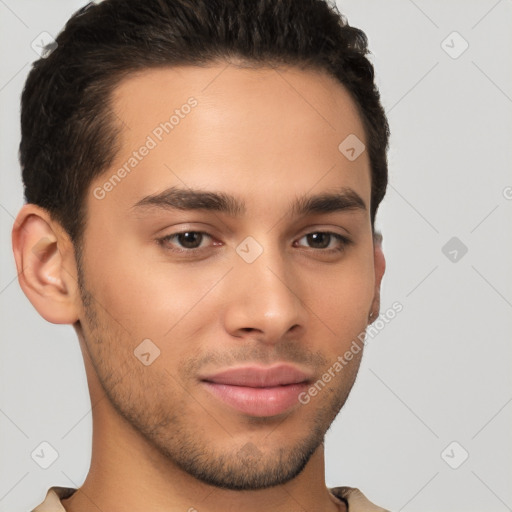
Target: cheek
point(344, 296)
point(151, 299)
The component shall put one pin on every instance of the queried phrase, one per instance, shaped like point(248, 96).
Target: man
point(202, 180)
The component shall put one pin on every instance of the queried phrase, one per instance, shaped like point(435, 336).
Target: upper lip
point(258, 376)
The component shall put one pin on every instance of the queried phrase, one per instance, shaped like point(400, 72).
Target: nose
point(265, 299)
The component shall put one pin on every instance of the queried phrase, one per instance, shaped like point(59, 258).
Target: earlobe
point(379, 268)
point(45, 263)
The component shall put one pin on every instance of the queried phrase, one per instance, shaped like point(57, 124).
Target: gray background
point(438, 372)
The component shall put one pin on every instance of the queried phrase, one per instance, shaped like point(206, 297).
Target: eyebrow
point(175, 198)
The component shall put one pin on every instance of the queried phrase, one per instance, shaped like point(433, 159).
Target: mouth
point(258, 391)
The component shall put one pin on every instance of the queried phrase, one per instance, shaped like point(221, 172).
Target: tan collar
point(355, 500)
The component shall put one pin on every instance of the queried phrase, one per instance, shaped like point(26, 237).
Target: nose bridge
point(263, 294)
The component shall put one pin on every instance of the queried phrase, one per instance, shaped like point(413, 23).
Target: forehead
point(258, 96)
point(235, 129)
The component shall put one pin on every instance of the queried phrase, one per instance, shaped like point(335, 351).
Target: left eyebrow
point(328, 202)
point(175, 198)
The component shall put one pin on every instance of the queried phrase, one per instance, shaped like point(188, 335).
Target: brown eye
point(322, 239)
point(190, 239)
point(185, 241)
point(319, 240)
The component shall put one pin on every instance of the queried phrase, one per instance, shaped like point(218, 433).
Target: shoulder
point(355, 500)
point(52, 503)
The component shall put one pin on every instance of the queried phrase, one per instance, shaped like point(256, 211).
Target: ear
point(45, 262)
point(379, 267)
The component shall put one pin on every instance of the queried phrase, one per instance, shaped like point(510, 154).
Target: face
point(209, 252)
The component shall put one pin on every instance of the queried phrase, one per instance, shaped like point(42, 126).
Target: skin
point(265, 136)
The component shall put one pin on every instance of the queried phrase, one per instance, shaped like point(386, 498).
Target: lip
point(259, 376)
point(258, 391)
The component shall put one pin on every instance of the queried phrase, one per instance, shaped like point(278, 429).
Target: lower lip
point(258, 401)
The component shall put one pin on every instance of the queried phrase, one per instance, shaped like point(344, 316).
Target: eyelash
point(345, 242)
